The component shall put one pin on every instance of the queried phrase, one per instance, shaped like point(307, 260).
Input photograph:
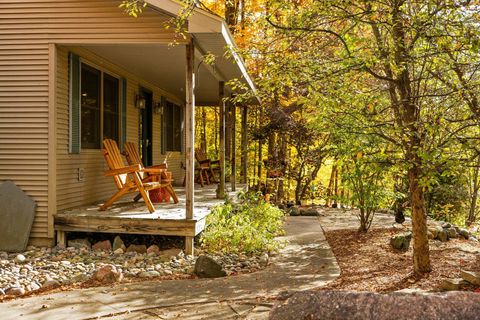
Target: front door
point(145, 128)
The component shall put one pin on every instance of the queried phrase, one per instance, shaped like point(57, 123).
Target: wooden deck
point(128, 217)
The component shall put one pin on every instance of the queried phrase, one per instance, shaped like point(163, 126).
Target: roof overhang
point(212, 36)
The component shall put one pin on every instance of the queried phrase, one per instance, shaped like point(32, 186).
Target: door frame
point(145, 127)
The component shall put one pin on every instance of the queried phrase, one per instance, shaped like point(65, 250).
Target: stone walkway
point(306, 262)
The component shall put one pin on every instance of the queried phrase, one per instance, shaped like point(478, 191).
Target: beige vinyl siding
point(24, 123)
point(27, 27)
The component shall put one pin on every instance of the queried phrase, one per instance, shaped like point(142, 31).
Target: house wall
point(28, 28)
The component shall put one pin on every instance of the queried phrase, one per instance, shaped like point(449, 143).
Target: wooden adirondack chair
point(133, 158)
point(206, 164)
point(127, 178)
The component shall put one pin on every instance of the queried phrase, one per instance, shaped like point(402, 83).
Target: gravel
point(50, 267)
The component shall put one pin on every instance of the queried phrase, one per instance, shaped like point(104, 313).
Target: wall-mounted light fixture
point(158, 106)
point(139, 102)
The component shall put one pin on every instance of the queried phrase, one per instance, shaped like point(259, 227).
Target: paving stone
point(452, 284)
point(17, 211)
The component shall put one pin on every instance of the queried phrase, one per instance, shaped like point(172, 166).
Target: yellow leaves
point(359, 155)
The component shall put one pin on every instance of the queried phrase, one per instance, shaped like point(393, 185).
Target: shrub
point(248, 225)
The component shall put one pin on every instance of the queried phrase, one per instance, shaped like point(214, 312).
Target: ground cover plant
point(248, 225)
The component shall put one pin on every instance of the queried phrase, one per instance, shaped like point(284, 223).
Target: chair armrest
point(158, 166)
point(204, 161)
point(155, 171)
point(129, 169)
point(215, 161)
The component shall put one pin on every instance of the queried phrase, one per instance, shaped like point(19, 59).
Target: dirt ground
point(368, 263)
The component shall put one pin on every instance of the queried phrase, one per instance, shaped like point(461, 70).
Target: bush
point(249, 225)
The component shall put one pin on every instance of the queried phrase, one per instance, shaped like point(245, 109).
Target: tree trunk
point(330, 185)
point(474, 196)
point(421, 254)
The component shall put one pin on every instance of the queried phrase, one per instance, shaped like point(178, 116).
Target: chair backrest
point(131, 153)
point(114, 160)
point(200, 155)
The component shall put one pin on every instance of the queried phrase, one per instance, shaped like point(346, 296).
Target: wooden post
point(221, 127)
point(228, 136)
point(61, 239)
point(244, 145)
point(189, 139)
point(233, 165)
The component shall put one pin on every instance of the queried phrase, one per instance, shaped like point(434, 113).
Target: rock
point(149, 274)
point(452, 233)
point(442, 236)
point(471, 277)
point(308, 212)
point(464, 233)
point(446, 225)
point(430, 235)
point(118, 244)
point(401, 242)
point(138, 248)
point(108, 274)
point(20, 258)
point(294, 211)
point(102, 245)
point(153, 249)
point(473, 239)
point(435, 231)
point(368, 305)
point(15, 291)
point(207, 267)
point(2, 293)
point(171, 252)
point(80, 243)
point(118, 251)
point(34, 286)
point(264, 260)
point(452, 284)
point(50, 284)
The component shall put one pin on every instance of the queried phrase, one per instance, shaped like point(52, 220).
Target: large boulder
point(401, 242)
point(293, 211)
point(308, 212)
point(327, 305)
point(138, 248)
point(118, 244)
point(464, 233)
point(442, 236)
point(452, 233)
point(471, 277)
point(207, 267)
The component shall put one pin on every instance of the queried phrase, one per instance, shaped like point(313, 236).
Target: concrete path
point(306, 262)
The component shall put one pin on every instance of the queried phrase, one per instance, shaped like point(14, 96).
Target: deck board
point(129, 217)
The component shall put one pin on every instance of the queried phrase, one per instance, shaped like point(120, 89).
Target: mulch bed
point(368, 263)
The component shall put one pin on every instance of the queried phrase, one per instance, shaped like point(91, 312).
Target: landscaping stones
point(293, 211)
point(138, 248)
point(452, 284)
point(401, 242)
point(49, 268)
point(452, 233)
point(207, 267)
point(471, 277)
point(20, 258)
point(15, 291)
point(464, 233)
point(102, 245)
point(118, 244)
point(442, 236)
point(108, 274)
point(153, 249)
point(308, 212)
point(79, 243)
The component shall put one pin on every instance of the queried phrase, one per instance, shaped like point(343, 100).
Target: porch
point(126, 216)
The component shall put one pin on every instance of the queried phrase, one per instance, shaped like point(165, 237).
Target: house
point(74, 72)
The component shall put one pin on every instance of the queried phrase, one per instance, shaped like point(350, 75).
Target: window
point(173, 127)
point(99, 107)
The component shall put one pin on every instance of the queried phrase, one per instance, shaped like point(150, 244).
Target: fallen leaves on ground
point(368, 263)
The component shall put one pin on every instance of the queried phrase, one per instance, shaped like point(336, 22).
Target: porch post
point(221, 103)
point(244, 145)
point(233, 165)
point(189, 140)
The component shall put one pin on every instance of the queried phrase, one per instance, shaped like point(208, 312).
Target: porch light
point(158, 107)
point(139, 102)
